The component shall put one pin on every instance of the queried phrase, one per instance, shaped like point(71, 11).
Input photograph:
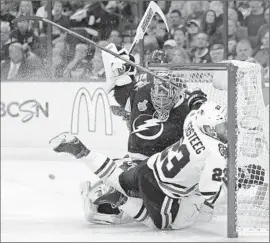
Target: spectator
point(20, 66)
point(5, 40)
point(209, 25)
point(59, 59)
point(25, 9)
point(60, 19)
point(5, 16)
point(24, 34)
point(193, 28)
point(262, 57)
point(180, 37)
point(98, 67)
point(196, 9)
point(201, 52)
point(217, 7)
point(255, 20)
point(176, 21)
point(42, 12)
point(80, 67)
point(161, 34)
point(217, 53)
point(264, 28)
point(115, 37)
point(234, 13)
point(178, 56)
point(169, 46)
point(243, 50)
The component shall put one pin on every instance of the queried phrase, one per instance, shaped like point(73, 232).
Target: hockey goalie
point(168, 189)
point(156, 115)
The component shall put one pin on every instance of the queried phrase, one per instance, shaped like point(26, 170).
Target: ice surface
point(36, 208)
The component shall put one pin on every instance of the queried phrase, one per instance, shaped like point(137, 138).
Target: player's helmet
point(164, 96)
point(212, 120)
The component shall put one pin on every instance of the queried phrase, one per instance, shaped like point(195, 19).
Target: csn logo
point(26, 110)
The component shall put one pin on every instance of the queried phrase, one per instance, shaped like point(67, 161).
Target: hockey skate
point(67, 143)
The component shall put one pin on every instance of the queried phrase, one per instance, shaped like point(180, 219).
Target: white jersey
point(196, 161)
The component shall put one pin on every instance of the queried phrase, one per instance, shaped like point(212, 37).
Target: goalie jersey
point(197, 161)
point(149, 135)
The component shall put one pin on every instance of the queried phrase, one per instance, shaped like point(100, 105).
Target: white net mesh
point(252, 212)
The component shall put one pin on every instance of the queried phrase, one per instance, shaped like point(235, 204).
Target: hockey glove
point(196, 99)
point(250, 175)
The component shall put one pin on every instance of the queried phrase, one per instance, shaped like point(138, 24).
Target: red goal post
point(238, 85)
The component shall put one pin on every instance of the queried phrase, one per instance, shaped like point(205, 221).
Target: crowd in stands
point(196, 35)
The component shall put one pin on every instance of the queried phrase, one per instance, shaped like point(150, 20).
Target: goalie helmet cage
point(248, 140)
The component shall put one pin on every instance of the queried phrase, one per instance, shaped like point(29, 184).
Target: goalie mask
point(164, 97)
point(213, 120)
point(118, 72)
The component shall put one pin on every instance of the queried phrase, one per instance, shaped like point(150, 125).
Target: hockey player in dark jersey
point(157, 110)
point(156, 113)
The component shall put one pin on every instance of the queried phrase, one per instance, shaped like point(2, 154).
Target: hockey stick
point(36, 18)
point(151, 10)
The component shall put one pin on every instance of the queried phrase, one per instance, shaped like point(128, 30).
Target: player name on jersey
point(193, 139)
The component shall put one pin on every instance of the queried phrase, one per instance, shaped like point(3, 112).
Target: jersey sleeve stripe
point(173, 184)
point(176, 192)
point(107, 169)
point(103, 166)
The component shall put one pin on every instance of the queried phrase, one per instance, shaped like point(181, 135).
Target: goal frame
point(232, 131)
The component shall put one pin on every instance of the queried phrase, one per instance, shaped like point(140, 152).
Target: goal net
point(248, 206)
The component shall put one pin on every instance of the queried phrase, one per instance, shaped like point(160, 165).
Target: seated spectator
point(264, 28)
point(217, 7)
point(25, 9)
point(97, 62)
point(200, 54)
point(209, 24)
point(80, 67)
point(262, 57)
point(115, 37)
point(42, 12)
point(5, 40)
point(5, 16)
point(175, 21)
point(217, 53)
point(254, 21)
point(59, 59)
point(180, 37)
point(21, 66)
point(193, 28)
point(161, 34)
point(196, 8)
point(178, 55)
point(24, 34)
point(243, 50)
point(59, 18)
point(169, 47)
